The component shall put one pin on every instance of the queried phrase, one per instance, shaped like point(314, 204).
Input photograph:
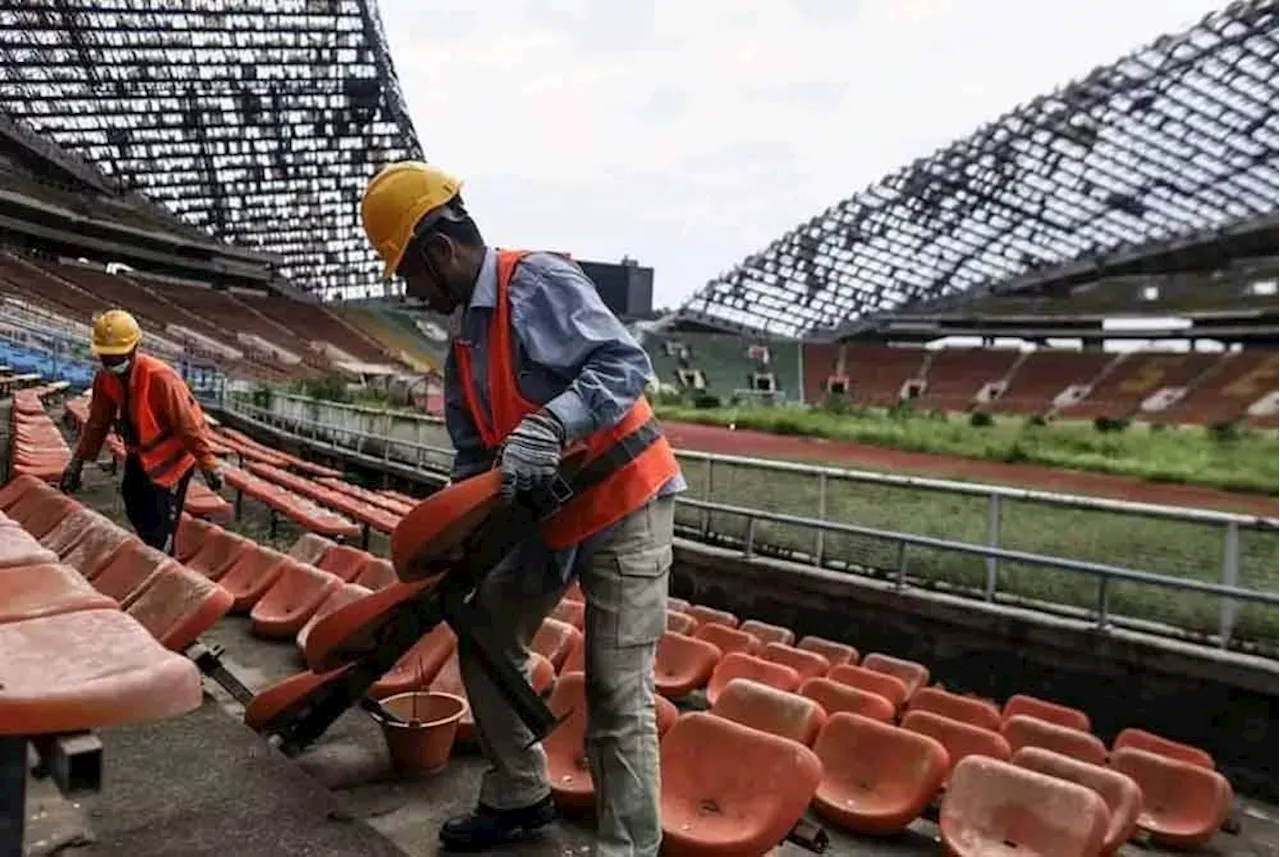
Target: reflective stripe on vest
point(609, 500)
point(162, 453)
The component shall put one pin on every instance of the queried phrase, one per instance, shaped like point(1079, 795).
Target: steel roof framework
point(257, 120)
point(1178, 137)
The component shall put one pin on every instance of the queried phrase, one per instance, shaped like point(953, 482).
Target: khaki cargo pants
point(625, 582)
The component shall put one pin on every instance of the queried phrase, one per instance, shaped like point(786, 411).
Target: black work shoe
point(486, 827)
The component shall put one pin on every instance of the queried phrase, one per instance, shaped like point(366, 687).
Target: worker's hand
point(70, 481)
point(213, 478)
point(531, 454)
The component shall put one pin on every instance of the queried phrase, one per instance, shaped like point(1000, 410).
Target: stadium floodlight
point(258, 121)
point(1176, 139)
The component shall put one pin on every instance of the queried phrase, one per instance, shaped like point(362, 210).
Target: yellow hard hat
point(394, 202)
point(115, 332)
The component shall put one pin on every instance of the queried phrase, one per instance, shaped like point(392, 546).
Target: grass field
point(1246, 462)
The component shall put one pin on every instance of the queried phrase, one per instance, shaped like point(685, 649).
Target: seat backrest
point(807, 664)
point(1023, 730)
point(1176, 794)
point(741, 665)
point(961, 739)
point(837, 653)
point(309, 548)
point(835, 697)
point(1121, 794)
point(913, 675)
point(766, 633)
point(1041, 709)
point(896, 763)
point(344, 561)
point(554, 640)
point(890, 687)
point(727, 639)
point(975, 712)
point(1162, 746)
point(710, 615)
point(787, 715)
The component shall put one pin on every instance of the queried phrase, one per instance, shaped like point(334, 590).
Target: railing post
point(993, 541)
point(751, 537)
point(900, 578)
point(706, 498)
point(819, 539)
point(1104, 602)
point(1230, 577)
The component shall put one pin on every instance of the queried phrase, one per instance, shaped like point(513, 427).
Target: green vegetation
point(1231, 457)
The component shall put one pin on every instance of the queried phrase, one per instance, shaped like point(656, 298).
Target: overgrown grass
point(1245, 461)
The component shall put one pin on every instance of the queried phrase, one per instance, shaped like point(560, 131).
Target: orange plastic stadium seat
point(914, 676)
point(961, 739)
point(202, 502)
point(1162, 746)
point(254, 573)
point(890, 687)
point(727, 639)
point(539, 671)
point(741, 665)
point(344, 561)
point(1183, 805)
point(343, 595)
point(577, 659)
point(191, 535)
point(681, 623)
point(419, 666)
point(807, 664)
point(1042, 710)
point(377, 574)
point(129, 570)
point(876, 778)
point(298, 592)
point(710, 615)
point(571, 612)
point(677, 605)
point(993, 807)
point(1023, 730)
point(574, 592)
point(837, 653)
point(443, 521)
point(179, 605)
point(309, 548)
point(28, 592)
point(71, 529)
point(1120, 793)
point(89, 670)
point(766, 633)
point(567, 766)
point(18, 548)
point(683, 664)
point(835, 697)
point(91, 553)
point(554, 640)
point(17, 488)
point(42, 513)
point(218, 552)
point(778, 712)
point(966, 709)
point(728, 789)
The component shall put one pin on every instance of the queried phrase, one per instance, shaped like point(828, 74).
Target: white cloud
point(689, 134)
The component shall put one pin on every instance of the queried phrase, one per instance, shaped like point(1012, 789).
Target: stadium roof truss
point(257, 120)
point(1177, 138)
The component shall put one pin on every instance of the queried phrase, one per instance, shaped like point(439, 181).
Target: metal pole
point(819, 537)
point(751, 537)
point(1104, 603)
point(993, 540)
point(1230, 577)
point(13, 794)
point(901, 578)
point(706, 496)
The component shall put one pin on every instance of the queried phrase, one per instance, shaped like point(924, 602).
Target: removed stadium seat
point(1041, 709)
point(807, 664)
point(913, 675)
point(994, 807)
point(554, 640)
point(570, 612)
point(128, 571)
point(961, 739)
point(218, 552)
point(253, 574)
point(1120, 793)
point(710, 615)
point(1023, 730)
point(179, 605)
point(298, 592)
point(766, 633)
point(32, 591)
point(419, 667)
point(728, 789)
point(1162, 746)
point(741, 665)
point(683, 664)
point(837, 653)
point(681, 623)
point(727, 639)
point(966, 709)
point(1183, 805)
point(343, 595)
point(309, 548)
point(876, 778)
point(835, 697)
point(890, 687)
point(778, 712)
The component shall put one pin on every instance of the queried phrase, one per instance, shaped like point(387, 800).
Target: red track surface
point(854, 455)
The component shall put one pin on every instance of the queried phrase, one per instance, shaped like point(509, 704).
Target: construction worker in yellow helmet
point(163, 428)
point(538, 362)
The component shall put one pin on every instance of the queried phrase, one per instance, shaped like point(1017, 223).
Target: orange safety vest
point(606, 501)
point(163, 455)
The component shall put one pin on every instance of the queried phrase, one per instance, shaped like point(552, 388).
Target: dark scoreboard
point(627, 287)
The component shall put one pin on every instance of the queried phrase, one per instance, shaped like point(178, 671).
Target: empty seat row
point(253, 450)
point(300, 510)
point(342, 502)
point(36, 447)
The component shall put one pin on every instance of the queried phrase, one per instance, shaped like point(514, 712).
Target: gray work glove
point(531, 454)
point(70, 481)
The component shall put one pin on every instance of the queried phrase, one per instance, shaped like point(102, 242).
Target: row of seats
point(342, 502)
point(36, 447)
point(280, 500)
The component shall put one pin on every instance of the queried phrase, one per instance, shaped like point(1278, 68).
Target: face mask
point(121, 368)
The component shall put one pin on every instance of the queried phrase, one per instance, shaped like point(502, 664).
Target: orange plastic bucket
point(422, 743)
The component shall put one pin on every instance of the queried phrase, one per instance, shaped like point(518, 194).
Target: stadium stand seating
point(955, 376)
point(1137, 377)
point(400, 334)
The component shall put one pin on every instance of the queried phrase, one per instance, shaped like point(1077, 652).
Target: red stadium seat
point(344, 562)
point(29, 592)
point(710, 615)
point(966, 709)
point(727, 639)
point(778, 712)
point(309, 548)
point(681, 623)
point(683, 664)
point(1022, 730)
point(129, 570)
point(837, 653)
point(1043, 710)
point(1183, 805)
point(913, 675)
point(253, 574)
point(890, 687)
point(296, 595)
point(740, 665)
point(554, 640)
point(571, 612)
point(835, 697)
point(807, 664)
point(1162, 746)
point(343, 595)
point(377, 574)
point(420, 666)
point(1121, 794)
point(179, 605)
point(218, 552)
point(961, 739)
point(766, 633)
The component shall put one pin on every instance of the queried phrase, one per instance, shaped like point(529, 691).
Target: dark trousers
point(153, 510)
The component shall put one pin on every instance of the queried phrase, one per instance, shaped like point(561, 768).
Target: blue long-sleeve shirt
point(573, 357)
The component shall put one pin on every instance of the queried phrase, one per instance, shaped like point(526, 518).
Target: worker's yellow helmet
point(396, 200)
point(115, 332)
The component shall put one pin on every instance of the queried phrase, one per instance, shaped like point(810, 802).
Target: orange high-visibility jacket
point(168, 421)
point(606, 502)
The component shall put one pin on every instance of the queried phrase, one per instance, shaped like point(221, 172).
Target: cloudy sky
point(690, 133)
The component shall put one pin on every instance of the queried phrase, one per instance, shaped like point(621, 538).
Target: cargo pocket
point(642, 590)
